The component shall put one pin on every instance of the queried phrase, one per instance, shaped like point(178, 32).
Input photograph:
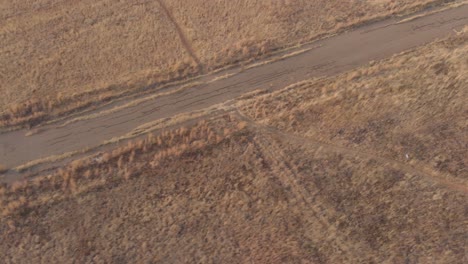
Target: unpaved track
point(180, 32)
point(287, 173)
point(446, 181)
point(332, 56)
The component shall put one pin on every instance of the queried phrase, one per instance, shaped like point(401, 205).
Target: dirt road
point(330, 56)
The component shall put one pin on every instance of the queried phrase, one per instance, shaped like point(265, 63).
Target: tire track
point(181, 34)
point(447, 182)
point(288, 174)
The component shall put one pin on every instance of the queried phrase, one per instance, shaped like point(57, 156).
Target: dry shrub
point(18, 186)
point(120, 162)
point(219, 139)
point(106, 157)
point(125, 162)
point(17, 205)
point(241, 125)
point(39, 181)
point(76, 165)
point(66, 178)
point(127, 173)
point(72, 185)
point(88, 174)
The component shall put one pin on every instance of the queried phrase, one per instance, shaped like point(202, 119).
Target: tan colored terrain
point(22, 148)
point(365, 167)
point(218, 30)
point(59, 57)
point(411, 110)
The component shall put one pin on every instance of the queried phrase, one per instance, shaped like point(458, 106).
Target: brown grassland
point(366, 167)
point(59, 57)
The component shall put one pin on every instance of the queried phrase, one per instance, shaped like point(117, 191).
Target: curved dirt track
point(330, 56)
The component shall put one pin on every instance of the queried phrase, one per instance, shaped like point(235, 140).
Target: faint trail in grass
point(446, 181)
point(181, 34)
point(289, 175)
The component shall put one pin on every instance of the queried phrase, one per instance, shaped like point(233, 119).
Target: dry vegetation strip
point(225, 190)
point(82, 55)
point(150, 127)
point(167, 145)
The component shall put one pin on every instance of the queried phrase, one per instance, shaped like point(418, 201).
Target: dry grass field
point(234, 29)
point(366, 167)
point(63, 56)
point(419, 119)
